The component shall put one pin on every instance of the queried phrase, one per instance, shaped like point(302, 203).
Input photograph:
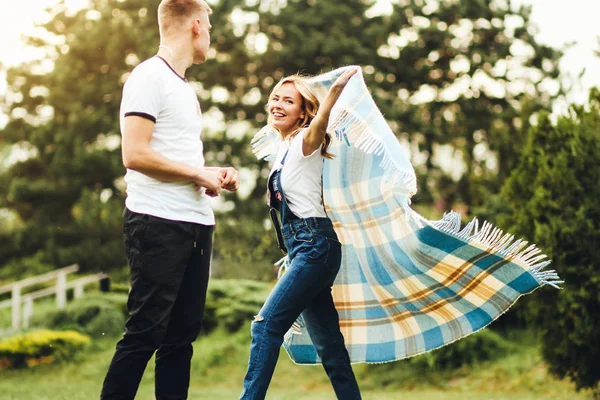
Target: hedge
point(40, 347)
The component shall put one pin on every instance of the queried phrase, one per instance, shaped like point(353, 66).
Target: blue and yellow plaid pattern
point(407, 285)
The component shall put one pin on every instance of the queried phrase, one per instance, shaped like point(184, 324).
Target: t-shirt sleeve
point(298, 142)
point(141, 96)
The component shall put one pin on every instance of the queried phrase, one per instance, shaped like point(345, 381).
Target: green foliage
point(96, 316)
point(122, 288)
point(69, 194)
point(473, 350)
point(18, 268)
point(45, 346)
point(484, 346)
point(553, 195)
point(231, 304)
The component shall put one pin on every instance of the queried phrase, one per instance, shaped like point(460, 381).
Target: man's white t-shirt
point(156, 92)
point(301, 178)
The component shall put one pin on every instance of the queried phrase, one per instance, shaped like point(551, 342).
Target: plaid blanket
point(407, 285)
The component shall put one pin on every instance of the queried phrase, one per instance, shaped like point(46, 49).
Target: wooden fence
point(22, 303)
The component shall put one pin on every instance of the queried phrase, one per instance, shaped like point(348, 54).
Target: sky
point(559, 22)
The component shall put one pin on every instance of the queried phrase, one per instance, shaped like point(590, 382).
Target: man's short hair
point(172, 11)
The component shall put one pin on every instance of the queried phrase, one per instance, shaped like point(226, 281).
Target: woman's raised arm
point(315, 134)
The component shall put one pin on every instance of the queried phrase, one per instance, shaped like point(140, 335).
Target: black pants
point(170, 264)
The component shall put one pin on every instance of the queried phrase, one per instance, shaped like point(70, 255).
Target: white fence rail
point(22, 304)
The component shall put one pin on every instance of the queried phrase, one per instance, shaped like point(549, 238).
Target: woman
point(314, 252)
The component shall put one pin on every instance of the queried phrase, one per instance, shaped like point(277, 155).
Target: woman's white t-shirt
point(301, 178)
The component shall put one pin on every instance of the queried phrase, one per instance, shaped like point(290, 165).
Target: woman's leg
point(322, 322)
point(307, 275)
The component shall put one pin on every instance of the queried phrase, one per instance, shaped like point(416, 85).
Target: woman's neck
point(289, 134)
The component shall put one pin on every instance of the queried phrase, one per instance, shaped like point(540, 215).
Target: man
point(168, 221)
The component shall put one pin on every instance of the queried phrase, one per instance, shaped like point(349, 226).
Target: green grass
point(220, 360)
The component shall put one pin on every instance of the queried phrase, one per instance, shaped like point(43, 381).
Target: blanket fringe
point(352, 131)
point(282, 265)
point(365, 133)
point(264, 143)
point(500, 243)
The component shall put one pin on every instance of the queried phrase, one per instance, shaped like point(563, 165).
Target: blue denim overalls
point(314, 260)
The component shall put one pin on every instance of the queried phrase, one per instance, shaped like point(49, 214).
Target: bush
point(553, 196)
point(117, 287)
point(231, 303)
point(96, 316)
point(41, 347)
point(485, 345)
point(15, 269)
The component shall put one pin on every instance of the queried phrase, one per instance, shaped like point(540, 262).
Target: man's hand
point(211, 180)
point(231, 181)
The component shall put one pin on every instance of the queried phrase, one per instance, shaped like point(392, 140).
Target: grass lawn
point(219, 366)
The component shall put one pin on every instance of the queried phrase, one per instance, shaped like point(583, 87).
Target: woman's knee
point(267, 328)
point(257, 327)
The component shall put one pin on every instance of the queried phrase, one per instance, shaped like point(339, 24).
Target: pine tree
point(553, 198)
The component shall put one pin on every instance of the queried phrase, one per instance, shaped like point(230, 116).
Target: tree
point(465, 74)
point(477, 60)
point(441, 71)
point(69, 192)
point(553, 197)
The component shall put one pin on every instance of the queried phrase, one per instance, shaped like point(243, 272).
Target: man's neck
point(178, 56)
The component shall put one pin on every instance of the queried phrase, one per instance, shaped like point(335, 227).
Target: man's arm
point(138, 156)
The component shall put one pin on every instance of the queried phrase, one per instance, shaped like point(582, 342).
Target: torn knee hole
point(258, 318)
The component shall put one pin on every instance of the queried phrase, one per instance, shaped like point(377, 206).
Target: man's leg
point(174, 356)
point(156, 274)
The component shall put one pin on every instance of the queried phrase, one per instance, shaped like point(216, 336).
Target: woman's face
point(285, 108)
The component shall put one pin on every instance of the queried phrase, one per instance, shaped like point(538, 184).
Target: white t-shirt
point(156, 92)
point(301, 178)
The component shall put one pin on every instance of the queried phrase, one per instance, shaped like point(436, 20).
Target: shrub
point(96, 316)
point(482, 346)
point(117, 287)
point(41, 347)
point(485, 345)
point(230, 303)
point(553, 196)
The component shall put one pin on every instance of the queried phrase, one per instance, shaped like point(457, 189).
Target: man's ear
point(196, 27)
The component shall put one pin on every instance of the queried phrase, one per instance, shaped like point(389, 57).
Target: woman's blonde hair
point(310, 106)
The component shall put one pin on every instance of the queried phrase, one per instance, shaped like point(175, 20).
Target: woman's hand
point(315, 134)
point(343, 79)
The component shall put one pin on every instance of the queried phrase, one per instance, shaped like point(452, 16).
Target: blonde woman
point(314, 252)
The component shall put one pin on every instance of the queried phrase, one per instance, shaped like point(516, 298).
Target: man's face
point(201, 38)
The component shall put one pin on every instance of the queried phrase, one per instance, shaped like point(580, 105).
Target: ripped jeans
point(305, 287)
